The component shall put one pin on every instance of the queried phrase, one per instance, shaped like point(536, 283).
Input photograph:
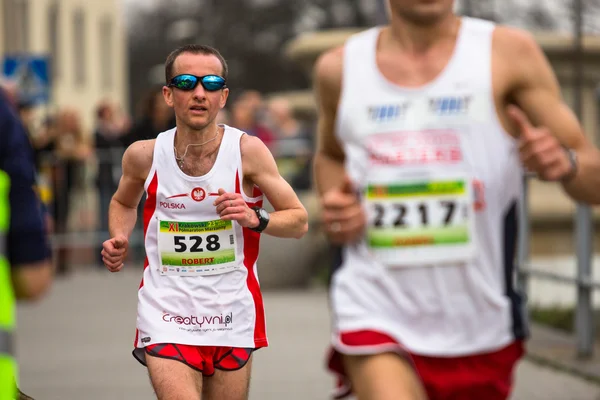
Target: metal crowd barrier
point(585, 285)
point(74, 207)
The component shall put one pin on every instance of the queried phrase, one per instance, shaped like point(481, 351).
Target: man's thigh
point(228, 385)
point(173, 380)
point(385, 376)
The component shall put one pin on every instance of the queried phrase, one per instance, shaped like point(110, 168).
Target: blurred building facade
point(86, 42)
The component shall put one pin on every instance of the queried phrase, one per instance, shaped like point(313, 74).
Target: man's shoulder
point(335, 54)
point(511, 42)
point(142, 147)
point(330, 63)
point(254, 150)
point(250, 145)
point(140, 154)
point(518, 58)
point(328, 75)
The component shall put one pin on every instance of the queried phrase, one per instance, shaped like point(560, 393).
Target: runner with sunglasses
point(200, 309)
point(424, 126)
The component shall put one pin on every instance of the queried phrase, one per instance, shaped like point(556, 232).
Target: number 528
point(194, 243)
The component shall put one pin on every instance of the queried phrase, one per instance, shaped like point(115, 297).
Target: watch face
point(264, 214)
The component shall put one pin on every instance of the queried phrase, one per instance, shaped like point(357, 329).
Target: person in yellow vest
point(25, 262)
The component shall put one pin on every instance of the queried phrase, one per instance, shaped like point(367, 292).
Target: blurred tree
point(554, 15)
point(249, 33)
point(538, 16)
point(485, 9)
point(252, 33)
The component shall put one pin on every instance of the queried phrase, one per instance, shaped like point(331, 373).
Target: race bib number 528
point(196, 248)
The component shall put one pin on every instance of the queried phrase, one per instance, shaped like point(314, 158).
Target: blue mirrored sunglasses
point(186, 82)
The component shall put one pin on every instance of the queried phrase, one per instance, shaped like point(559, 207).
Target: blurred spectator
point(293, 148)
point(111, 126)
point(293, 139)
point(155, 117)
point(72, 151)
point(255, 101)
point(43, 142)
point(247, 113)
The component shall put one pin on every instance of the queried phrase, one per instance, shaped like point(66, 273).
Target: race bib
point(196, 248)
point(414, 223)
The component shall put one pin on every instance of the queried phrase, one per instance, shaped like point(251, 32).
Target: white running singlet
point(440, 181)
point(200, 284)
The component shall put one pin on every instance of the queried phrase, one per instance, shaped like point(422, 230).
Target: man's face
point(421, 12)
point(196, 108)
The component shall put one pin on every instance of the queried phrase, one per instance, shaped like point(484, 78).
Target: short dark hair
point(193, 49)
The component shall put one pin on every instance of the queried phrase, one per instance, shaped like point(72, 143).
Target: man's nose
point(199, 92)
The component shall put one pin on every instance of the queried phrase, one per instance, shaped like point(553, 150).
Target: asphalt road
point(76, 344)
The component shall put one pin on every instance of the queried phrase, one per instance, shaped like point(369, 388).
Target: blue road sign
point(31, 73)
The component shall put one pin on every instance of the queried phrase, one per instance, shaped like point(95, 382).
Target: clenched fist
point(231, 206)
point(114, 251)
point(343, 215)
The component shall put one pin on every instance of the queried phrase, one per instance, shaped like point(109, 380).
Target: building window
point(79, 56)
point(53, 38)
point(106, 52)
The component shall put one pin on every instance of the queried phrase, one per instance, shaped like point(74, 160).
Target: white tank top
point(200, 284)
point(440, 180)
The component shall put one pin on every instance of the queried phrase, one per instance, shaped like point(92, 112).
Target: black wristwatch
point(263, 219)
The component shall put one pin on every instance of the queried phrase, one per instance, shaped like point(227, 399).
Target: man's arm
point(136, 164)
point(290, 219)
point(329, 157)
point(536, 91)
point(342, 214)
point(28, 244)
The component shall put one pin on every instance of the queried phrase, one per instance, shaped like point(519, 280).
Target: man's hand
point(231, 206)
point(114, 251)
point(540, 151)
point(343, 215)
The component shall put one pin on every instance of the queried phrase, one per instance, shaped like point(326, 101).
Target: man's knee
point(386, 376)
point(173, 380)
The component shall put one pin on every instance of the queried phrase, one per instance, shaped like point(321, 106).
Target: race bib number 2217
point(415, 222)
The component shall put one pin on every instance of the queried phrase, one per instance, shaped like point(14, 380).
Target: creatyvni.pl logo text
point(199, 320)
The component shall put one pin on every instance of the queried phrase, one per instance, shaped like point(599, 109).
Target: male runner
point(425, 125)
point(200, 310)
